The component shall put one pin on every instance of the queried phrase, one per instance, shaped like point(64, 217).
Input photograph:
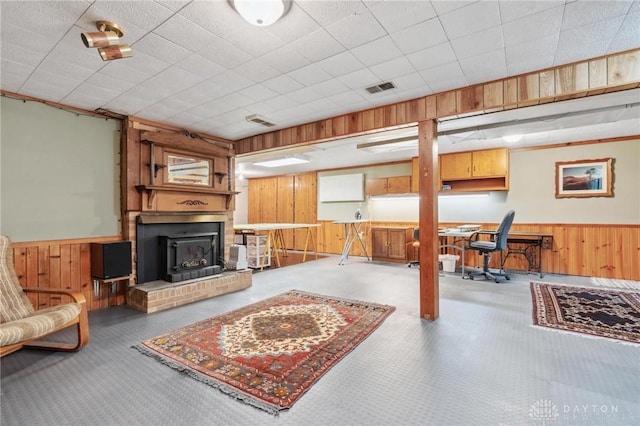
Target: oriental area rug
point(614, 314)
point(269, 353)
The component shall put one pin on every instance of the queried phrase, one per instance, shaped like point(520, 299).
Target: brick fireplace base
point(160, 295)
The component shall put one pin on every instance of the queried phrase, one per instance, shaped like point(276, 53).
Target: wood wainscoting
point(64, 264)
point(589, 250)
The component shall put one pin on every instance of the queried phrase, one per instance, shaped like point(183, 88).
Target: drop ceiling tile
point(377, 51)
point(532, 55)
point(281, 102)
point(53, 65)
point(531, 27)
point(421, 36)
point(160, 48)
point(201, 66)
point(254, 40)
point(448, 83)
point(173, 5)
point(285, 59)
point(89, 94)
point(122, 71)
point(16, 68)
point(306, 94)
point(341, 64)
point(317, 45)
point(233, 81)
point(443, 7)
point(51, 19)
point(487, 66)
point(512, 10)
point(330, 87)
point(356, 30)
point(396, 15)
point(21, 55)
point(580, 13)
point(224, 53)
point(146, 64)
point(11, 81)
point(293, 26)
point(413, 83)
point(184, 33)
point(51, 87)
point(148, 14)
point(582, 42)
point(282, 84)
point(13, 35)
point(471, 19)
point(215, 16)
point(262, 108)
point(432, 56)
point(328, 12)
point(394, 68)
point(172, 80)
point(309, 75)
point(477, 43)
point(442, 73)
point(359, 79)
point(258, 92)
point(256, 70)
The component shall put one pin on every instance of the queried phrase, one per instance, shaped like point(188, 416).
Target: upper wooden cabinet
point(485, 170)
point(388, 185)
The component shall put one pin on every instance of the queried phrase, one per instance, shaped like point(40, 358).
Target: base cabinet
point(389, 244)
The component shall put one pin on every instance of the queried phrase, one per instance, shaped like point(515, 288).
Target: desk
point(533, 243)
point(275, 237)
point(351, 234)
point(459, 242)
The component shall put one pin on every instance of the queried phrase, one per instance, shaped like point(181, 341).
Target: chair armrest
point(476, 234)
point(77, 296)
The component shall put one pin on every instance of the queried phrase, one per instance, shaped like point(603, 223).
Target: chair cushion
point(38, 324)
point(14, 304)
point(483, 245)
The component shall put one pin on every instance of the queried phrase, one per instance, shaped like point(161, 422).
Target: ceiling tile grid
point(198, 64)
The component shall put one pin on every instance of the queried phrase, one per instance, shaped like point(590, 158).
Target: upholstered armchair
point(21, 325)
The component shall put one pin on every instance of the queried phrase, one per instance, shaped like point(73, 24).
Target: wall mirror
point(187, 170)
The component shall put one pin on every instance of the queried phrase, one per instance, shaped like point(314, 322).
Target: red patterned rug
point(593, 311)
point(269, 353)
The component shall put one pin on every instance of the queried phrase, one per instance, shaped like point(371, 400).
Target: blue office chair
point(497, 242)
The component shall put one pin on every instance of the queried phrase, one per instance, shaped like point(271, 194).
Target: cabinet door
point(455, 166)
point(490, 162)
point(397, 244)
point(398, 185)
point(376, 186)
point(379, 242)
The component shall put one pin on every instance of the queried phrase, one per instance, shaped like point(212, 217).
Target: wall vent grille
point(381, 87)
point(255, 118)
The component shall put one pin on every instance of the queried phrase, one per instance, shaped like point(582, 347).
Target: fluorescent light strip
point(284, 161)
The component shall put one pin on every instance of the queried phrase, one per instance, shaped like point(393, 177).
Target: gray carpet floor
point(481, 363)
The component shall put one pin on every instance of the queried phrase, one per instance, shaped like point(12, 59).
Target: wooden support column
point(428, 219)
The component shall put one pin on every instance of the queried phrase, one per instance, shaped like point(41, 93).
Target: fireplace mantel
point(186, 204)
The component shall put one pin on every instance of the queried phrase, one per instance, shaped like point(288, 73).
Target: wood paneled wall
point(284, 199)
point(64, 264)
point(593, 77)
point(589, 250)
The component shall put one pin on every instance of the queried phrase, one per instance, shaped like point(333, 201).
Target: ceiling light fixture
point(107, 41)
point(512, 138)
point(284, 161)
point(261, 12)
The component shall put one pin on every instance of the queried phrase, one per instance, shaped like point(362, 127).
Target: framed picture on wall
point(584, 178)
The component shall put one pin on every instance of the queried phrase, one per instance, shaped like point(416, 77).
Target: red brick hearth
point(160, 295)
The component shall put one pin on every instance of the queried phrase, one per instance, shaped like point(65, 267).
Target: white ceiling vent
point(255, 118)
point(381, 87)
